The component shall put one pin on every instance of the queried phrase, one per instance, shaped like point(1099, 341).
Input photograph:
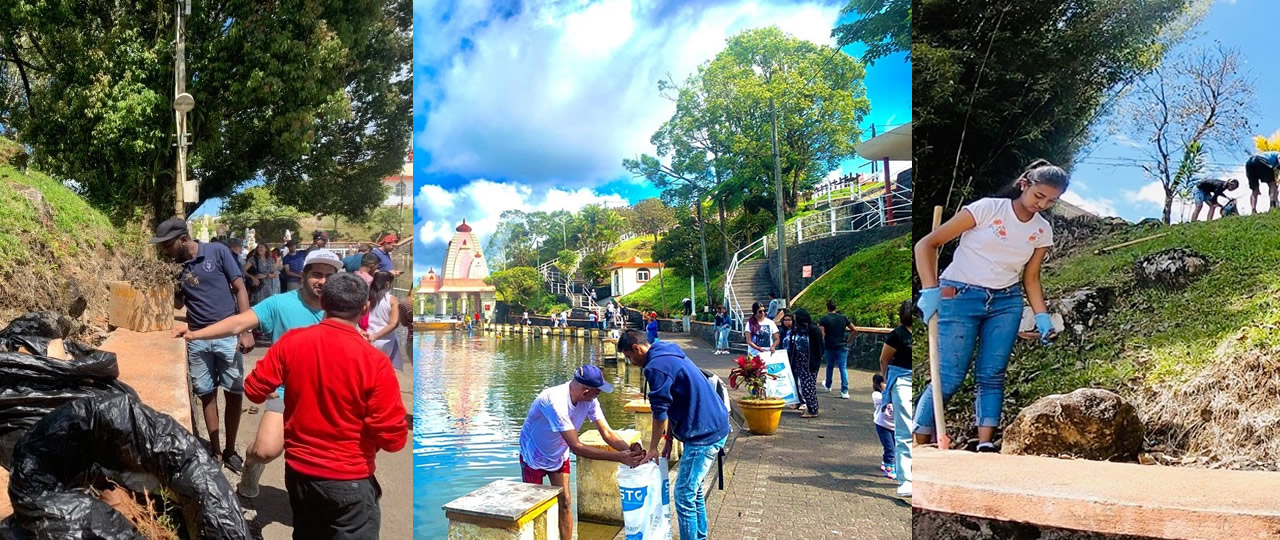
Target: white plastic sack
point(785, 385)
point(642, 502)
point(664, 467)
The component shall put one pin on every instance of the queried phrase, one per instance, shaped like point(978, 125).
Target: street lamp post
point(777, 181)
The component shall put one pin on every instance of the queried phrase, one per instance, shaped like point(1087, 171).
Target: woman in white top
point(762, 333)
point(384, 317)
point(978, 299)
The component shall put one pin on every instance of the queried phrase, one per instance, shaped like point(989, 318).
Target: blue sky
point(1108, 181)
point(534, 105)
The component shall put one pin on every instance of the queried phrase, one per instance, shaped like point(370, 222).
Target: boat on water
point(432, 323)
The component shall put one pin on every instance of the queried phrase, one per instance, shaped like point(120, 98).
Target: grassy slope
point(867, 286)
point(1154, 337)
point(649, 296)
point(640, 245)
point(75, 228)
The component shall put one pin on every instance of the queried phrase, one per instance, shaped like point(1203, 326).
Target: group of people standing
point(347, 405)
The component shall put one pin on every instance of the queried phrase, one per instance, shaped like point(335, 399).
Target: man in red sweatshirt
point(343, 406)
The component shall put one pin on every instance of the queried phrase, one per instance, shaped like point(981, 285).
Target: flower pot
point(762, 415)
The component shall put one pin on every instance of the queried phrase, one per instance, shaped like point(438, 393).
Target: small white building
point(627, 276)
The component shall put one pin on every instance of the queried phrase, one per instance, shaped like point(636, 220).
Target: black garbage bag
point(70, 450)
point(34, 330)
point(33, 386)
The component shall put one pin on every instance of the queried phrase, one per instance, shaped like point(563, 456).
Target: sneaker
point(888, 471)
point(904, 490)
point(233, 461)
point(844, 395)
point(248, 487)
point(986, 448)
point(826, 388)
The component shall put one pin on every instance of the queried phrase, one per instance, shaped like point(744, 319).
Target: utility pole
point(782, 218)
point(182, 104)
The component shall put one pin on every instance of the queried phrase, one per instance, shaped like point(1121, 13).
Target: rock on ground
point(1172, 268)
point(1088, 423)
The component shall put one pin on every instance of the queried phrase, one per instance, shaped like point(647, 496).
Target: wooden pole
point(939, 411)
point(1130, 243)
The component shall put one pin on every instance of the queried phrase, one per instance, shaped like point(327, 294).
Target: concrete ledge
point(1101, 497)
point(155, 365)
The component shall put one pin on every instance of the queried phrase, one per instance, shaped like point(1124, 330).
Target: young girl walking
point(978, 300)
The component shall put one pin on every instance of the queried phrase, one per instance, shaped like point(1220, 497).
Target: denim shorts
point(1200, 196)
point(215, 362)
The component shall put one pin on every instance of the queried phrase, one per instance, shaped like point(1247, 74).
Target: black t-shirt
point(688, 307)
point(1212, 188)
point(900, 340)
point(835, 325)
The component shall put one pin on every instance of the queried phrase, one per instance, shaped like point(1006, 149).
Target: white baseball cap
point(322, 256)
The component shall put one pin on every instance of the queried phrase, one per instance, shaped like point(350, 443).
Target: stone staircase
point(752, 283)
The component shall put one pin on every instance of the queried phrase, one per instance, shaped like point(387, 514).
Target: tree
point(652, 216)
point(314, 98)
point(819, 100)
point(1184, 109)
point(566, 260)
point(995, 86)
point(257, 208)
point(516, 285)
point(883, 25)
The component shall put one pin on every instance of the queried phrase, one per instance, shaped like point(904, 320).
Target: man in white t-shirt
point(550, 433)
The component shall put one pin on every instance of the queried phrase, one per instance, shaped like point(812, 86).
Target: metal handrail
point(897, 203)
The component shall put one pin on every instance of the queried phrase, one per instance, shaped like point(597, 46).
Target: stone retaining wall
point(825, 253)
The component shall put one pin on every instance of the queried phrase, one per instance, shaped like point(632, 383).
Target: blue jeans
point(886, 444)
point(215, 362)
point(975, 315)
point(722, 337)
point(690, 503)
point(902, 426)
point(838, 357)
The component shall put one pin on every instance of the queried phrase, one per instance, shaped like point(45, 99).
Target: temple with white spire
point(460, 286)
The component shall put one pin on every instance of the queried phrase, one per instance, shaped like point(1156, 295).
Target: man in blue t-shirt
point(683, 400)
point(293, 263)
point(1262, 167)
point(275, 316)
point(383, 253)
point(211, 287)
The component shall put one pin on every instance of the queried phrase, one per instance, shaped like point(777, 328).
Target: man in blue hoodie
point(685, 405)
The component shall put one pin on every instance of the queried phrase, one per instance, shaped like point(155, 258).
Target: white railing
point(855, 216)
point(855, 187)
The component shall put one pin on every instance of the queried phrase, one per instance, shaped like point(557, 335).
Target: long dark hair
point(753, 323)
point(905, 315)
point(801, 320)
point(1039, 171)
point(379, 288)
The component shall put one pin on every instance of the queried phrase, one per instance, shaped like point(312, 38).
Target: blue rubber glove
point(929, 301)
point(1044, 324)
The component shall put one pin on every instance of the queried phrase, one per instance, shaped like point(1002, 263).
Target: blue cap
point(590, 375)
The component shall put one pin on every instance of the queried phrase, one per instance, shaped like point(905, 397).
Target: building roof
point(634, 262)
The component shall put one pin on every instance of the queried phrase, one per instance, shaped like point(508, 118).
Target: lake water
point(471, 394)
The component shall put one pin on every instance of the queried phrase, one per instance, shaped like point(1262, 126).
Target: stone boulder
point(1081, 309)
point(1172, 268)
point(1088, 423)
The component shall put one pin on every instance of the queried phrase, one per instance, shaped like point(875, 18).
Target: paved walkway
point(274, 520)
point(816, 478)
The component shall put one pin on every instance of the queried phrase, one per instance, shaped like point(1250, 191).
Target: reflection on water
point(471, 394)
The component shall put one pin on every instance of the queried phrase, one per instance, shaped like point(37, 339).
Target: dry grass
point(1224, 417)
point(151, 523)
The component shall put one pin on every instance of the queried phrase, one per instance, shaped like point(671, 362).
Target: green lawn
point(649, 296)
point(867, 286)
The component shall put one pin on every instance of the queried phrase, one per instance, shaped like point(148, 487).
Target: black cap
point(170, 229)
point(234, 242)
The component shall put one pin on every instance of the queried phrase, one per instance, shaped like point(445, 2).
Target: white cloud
point(1100, 206)
point(559, 93)
point(481, 203)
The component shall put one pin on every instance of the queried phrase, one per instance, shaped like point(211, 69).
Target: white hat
point(322, 256)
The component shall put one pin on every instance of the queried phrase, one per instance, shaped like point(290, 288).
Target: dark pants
point(337, 509)
point(886, 442)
